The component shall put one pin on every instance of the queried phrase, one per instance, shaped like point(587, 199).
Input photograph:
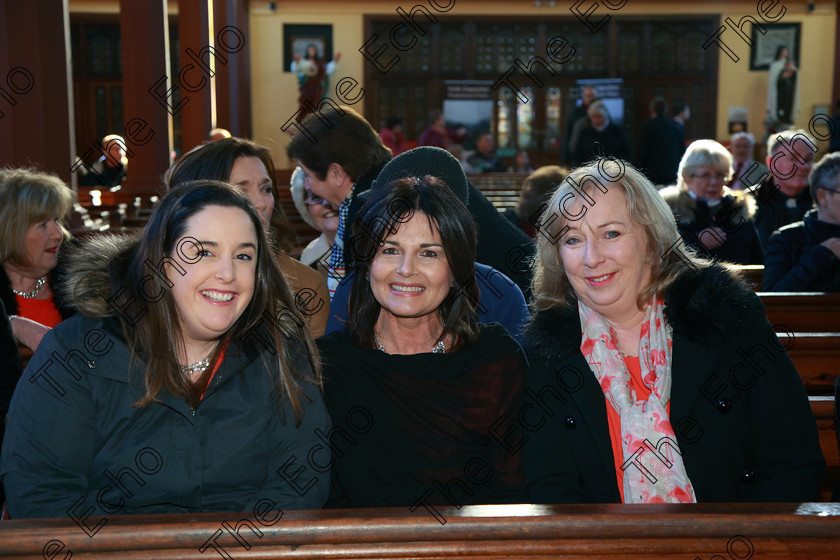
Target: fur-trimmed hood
point(86, 287)
point(700, 305)
point(684, 206)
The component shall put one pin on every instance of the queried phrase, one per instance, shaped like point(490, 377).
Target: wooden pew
point(661, 531)
point(802, 312)
point(502, 189)
point(823, 409)
point(816, 357)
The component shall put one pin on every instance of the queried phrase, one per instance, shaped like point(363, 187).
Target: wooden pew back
point(659, 531)
point(802, 312)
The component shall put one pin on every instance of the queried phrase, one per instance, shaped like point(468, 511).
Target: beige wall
point(275, 92)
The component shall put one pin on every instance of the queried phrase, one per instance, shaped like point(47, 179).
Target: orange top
point(614, 420)
point(41, 311)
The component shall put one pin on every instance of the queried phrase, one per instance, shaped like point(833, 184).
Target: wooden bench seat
point(661, 531)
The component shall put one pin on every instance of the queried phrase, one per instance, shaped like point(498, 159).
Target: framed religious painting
point(300, 38)
point(768, 46)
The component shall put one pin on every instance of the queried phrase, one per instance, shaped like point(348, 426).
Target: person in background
point(319, 213)
point(343, 163)
point(682, 113)
point(484, 159)
point(178, 382)
point(601, 136)
point(438, 135)
point(249, 167)
point(414, 357)
point(805, 256)
point(219, 134)
point(532, 196)
point(659, 145)
point(33, 206)
point(633, 345)
point(575, 123)
point(714, 220)
point(392, 136)
point(521, 163)
point(110, 169)
point(741, 145)
point(783, 196)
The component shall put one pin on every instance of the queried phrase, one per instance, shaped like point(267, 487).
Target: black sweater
point(407, 426)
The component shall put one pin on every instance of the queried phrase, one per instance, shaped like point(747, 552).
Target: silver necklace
point(440, 347)
point(31, 295)
point(200, 366)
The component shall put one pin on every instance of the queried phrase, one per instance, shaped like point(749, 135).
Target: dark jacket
point(11, 367)
point(775, 209)
point(735, 216)
point(660, 150)
point(569, 147)
point(75, 441)
point(608, 142)
point(796, 262)
point(744, 437)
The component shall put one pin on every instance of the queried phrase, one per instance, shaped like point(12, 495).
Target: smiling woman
point(432, 380)
point(648, 329)
point(713, 219)
point(249, 167)
point(188, 349)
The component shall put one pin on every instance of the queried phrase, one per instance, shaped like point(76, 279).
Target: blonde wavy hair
point(666, 254)
point(29, 196)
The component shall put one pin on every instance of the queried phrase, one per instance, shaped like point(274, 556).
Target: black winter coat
point(796, 262)
point(74, 439)
point(660, 150)
point(738, 407)
point(608, 142)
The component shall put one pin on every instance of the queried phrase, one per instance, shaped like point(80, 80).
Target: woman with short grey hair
point(713, 219)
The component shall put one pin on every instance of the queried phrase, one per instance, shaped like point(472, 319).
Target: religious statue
point(782, 91)
point(313, 77)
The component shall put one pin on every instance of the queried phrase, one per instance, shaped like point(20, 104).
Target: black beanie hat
point(426, 160)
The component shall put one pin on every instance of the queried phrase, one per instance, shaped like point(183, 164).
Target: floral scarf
point(653, 466)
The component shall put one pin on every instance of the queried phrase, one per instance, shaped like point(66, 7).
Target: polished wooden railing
point(705, 531)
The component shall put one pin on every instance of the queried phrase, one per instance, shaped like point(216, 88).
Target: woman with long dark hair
point(414, 379)
point(186, 382)
point(249, 167)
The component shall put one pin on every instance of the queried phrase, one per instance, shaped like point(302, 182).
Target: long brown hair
point(155, 335)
